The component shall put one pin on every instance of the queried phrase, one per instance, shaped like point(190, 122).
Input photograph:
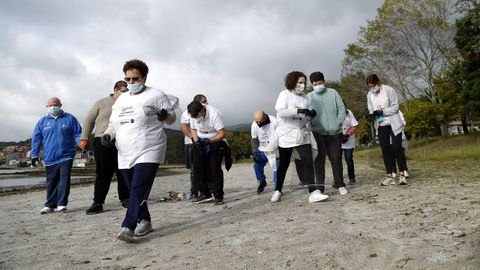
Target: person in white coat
point(293, 113)
point(383, 109)
point(137, 127)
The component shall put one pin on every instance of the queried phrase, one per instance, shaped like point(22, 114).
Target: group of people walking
point(130, 141)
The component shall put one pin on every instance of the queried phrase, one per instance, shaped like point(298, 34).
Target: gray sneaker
point(125, 235)
point(143, 228)
point(46, 210)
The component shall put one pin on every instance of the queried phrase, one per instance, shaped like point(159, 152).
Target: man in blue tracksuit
point(59, 133)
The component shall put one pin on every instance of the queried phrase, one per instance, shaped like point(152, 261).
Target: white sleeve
point(254, 130)
point(282, 101)
point(217, 121)
point(353, 121)
point(185, 119)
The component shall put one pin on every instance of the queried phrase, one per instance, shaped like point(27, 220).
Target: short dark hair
point(199, 97)
point(373, 79)
point(316, 76)
point(194, 108)
point(291, 79)
point(119, 84)
point(136, 64)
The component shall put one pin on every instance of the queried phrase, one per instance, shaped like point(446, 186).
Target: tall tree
point(467, 40)
point(409, 43)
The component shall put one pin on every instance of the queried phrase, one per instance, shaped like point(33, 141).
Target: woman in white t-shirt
point(348, 142)
point(293, 114)
point(383, 107)
point(136, 124)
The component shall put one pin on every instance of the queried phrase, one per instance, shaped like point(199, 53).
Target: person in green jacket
point(327, 130)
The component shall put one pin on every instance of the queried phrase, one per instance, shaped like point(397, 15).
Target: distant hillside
point(245, 127)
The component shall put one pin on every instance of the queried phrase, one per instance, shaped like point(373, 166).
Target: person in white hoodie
point(383, 109)
point(293, 114)
point(136, 126)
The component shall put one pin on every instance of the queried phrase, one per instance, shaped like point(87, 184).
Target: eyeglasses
point(127, 79)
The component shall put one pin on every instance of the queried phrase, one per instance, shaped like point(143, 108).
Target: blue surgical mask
point(135, 87)
point(319, 88)
point(54, 110)
point(375, 89)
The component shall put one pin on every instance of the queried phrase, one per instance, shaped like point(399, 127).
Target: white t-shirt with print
point(349, 122)
point(185, 119)
point(207, 127)
point(289, 127)
point(264, 132)
point(139, 136)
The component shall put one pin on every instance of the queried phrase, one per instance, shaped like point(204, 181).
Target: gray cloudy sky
point(235, 52)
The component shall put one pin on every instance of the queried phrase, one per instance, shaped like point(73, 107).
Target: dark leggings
point(305, 153)
point(392, 153)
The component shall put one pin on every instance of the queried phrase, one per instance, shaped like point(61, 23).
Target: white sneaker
point(143, 228)
point(125, 235)
point(406, 174)
point(46, 210)
point(61, 208)
point(343, 191)
point(276, 196)
point(402, 180)
point(394, 175)
point(317, 196)
point(388, 181)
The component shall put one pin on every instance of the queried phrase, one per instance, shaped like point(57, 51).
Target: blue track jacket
point(58, 137)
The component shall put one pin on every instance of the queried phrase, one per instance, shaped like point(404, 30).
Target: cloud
point(235, 52)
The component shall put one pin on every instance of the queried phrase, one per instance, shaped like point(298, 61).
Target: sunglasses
point(127, 79)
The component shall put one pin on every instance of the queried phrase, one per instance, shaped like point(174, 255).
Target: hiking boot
point(46, 210)
point(388, 181)
point(203, 199)
point(261, 186)
point(276, 196)
point(125, 203)
point(61, 208)
point(94, 209)
point(218, 201)
point(125, 235)
point(343, 191)
point(317, 196)
point(402, 180)
point(143, 228)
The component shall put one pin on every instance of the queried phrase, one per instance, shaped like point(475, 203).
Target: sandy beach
point(429, 224)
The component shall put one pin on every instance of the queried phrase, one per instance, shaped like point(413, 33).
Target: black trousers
point(106, 161)
point(207, 170)
point(305, 153)
point(392, 153)
point(331, 146)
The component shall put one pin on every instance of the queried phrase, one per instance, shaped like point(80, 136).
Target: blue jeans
point(259, 168)
point(139, 180)
point(58, 183)
point(349, 160)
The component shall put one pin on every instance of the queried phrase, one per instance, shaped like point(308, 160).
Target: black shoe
point(203, 199)
point(125, 204)
point(94, 209)
point(261, 187)
point(218, 201)
point(352, 181)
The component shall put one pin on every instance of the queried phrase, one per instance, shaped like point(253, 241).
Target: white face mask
point(300, 88)
point(199, 119)
point(375, 89)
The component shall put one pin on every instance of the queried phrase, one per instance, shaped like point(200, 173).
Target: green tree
point(409, 43)
point(467, 40)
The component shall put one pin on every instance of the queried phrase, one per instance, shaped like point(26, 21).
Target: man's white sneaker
point(61, 208)
point(343, 191)
point(388, 181)
point(143, 228)
point(46, 210)
point(406, 174)
point(317, 196)
point(125, 235)
point(276, 196)
point(394, 175)
point(402, 180)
